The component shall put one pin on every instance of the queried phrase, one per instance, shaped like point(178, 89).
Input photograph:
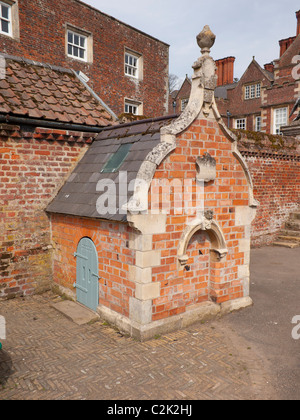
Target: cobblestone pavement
point(48, 357)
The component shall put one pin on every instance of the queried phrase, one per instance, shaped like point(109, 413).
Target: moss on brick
point(264, 140)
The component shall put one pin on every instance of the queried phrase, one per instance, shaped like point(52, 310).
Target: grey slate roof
point(78, 196)
point(221, 91)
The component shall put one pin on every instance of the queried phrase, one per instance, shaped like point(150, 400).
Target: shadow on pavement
point(5, 367)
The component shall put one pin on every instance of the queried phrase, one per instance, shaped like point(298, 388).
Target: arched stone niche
point(218, 244)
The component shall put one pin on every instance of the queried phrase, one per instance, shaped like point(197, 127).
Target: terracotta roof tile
point(35, 113)
point(52, 93)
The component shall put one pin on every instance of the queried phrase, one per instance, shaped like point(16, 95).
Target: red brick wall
point(179, 288)
point(42, 38)
point(111, 241)
point(33, 166)
point(274, 164)
point(277, 188)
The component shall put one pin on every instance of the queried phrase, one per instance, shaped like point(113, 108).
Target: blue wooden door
point(87, 279)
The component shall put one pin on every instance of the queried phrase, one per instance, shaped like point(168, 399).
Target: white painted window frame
point(241, 123)
point(258, 123)
point(184, 103)
point(74, 45)
point(9, 19)
point(253, 91)
point(132, 107)
point(280, 119)
point(258, 90)
point(131, 65)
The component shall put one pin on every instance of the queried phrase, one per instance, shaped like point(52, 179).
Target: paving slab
point(248, 355)
point(75, 312)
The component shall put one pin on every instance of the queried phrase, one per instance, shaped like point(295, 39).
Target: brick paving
point(48, 357)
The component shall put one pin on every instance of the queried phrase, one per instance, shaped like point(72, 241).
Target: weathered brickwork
point(33, 166)
point(274, 164)
point(42, 28)
point(277, 188)
point(115, 257)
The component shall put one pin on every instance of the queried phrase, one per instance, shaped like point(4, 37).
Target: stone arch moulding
point(214, 232)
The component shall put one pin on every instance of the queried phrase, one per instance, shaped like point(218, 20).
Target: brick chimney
point(285, 44)
point(225, 70)
point(269, 67)
point(298, 22)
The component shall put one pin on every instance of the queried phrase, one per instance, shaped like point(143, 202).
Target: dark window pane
point(70, 37)
point(5, 27)
point(5, 12)
point(70, 50)
point(81, 53)
point(82, 41)
point(75, 52)
point(76, 39)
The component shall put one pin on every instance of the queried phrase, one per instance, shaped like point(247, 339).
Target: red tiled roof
point(39, 91)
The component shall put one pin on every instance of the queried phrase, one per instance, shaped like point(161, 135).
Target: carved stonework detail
point(160, 152)
point(206, 39)
point(206, 223)
point(206, 168)
point(183, 260)
point(209, 214)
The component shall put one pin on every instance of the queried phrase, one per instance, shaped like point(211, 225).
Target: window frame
point(135, 104)
point(9, 6)
point(252, 91)
point(74, 45)
point(276, 126)
point(184, 102)
point(258, 121)
point(134, 68)
point(137, 69)
point(117, 159)
point(237, 123)
point(88, 43)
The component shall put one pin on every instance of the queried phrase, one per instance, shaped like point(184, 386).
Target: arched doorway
point(87, 278)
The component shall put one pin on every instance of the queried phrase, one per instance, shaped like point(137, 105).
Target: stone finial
point(206, 39)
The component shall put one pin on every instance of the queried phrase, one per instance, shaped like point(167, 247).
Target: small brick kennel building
point(152, 229)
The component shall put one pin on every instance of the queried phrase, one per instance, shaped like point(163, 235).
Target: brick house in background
point(127, 68)
point(264, 97)
point(48, 119)
point(180, 98)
